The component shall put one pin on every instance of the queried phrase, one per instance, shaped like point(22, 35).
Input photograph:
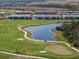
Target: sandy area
point(58, 49)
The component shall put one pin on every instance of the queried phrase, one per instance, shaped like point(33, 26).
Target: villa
point(58, 15)
point(41, 13)
point(51, 17)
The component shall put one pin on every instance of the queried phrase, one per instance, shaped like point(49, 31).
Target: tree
point(70, 31)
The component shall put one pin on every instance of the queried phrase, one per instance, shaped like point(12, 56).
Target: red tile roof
point(43, 9)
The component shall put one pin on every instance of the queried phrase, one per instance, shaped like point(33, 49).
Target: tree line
point(71, 31)
point(72, 5)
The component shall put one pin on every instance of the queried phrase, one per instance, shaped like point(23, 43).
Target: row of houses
point(13, 3)
point(41, 14)
point(25, 2)
point(51, 17)
point(66, 14)
point(54, 12)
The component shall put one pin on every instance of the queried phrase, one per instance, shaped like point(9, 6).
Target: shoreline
point(29, 34)
point(25, 35)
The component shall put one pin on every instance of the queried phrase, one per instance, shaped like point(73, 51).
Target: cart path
point(18, 55)
point(25, 35)
point(27, 56)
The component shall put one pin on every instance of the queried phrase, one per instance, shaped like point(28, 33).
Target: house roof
point(2, 12)
point(47, 2)
point(43, 9)
point(71, 15)
point(34, 15)
point(20, 16)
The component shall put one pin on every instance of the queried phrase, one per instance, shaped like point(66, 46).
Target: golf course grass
point(3, 10)
point(59, 36)
point(57, 49)
point(9, 35)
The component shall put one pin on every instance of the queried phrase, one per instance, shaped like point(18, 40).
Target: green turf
point(9, 34)
point(3, 10)
point(4, 56)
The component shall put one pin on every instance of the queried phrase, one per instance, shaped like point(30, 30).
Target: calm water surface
point(43, 32)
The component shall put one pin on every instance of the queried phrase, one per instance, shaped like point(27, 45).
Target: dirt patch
point(29, 34)
point(58, 49)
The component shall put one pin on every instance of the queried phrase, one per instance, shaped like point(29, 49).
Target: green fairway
point(9, 35)
point(4, 56)
point(3, 10)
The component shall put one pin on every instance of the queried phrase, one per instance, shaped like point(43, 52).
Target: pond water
point(43, 32)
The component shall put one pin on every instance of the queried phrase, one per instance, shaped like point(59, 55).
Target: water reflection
point(43, 32)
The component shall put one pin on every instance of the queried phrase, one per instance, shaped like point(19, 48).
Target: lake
point(43, 32)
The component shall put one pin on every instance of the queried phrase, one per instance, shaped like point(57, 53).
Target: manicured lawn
point(4, 56)
point(59, 36)
point(58, 48)
point(9, 34)
point(3, 10)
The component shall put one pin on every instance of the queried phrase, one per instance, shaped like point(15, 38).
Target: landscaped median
point(9, 35)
